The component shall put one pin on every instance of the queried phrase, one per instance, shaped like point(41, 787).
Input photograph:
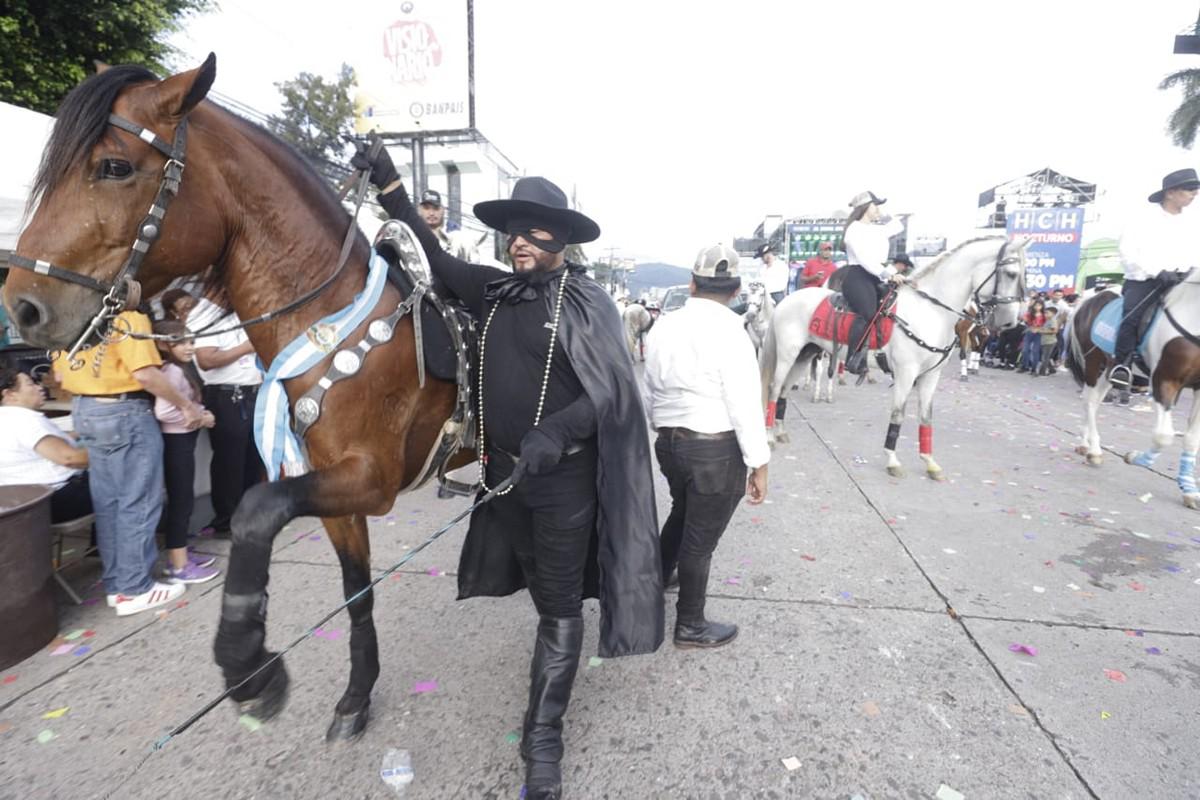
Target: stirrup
point(1120, 376)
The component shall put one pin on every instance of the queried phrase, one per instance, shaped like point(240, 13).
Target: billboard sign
point(414, 72)
point(1052, 258)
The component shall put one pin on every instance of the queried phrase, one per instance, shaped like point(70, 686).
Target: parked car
point(676, 296)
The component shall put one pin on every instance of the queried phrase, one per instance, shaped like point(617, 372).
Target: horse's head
point(1000, 288)
point(113, 157)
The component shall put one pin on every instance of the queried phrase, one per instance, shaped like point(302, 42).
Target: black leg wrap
point(552, 675)
point(781, 409)
point(893, 434)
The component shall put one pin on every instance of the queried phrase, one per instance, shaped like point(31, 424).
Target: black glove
point(383, 171)
point(1169, 277)
point(540, 452)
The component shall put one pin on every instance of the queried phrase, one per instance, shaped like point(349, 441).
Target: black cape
point(624, 569)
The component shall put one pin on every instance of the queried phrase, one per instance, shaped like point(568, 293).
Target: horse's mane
point(931, 266)
point(80, 122)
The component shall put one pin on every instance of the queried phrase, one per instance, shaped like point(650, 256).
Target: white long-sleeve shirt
point(775, 277)
point(867, 245)
point(701, 374)
point(1155, 240)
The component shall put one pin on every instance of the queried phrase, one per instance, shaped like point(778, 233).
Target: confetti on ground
point(734, 581)
point(1137, 587)
point(331, 634)
point(512, 737)
point(792, 763)
point(46, 736)
point(1116, 675)
point(948, 551)
point(7, 679)
point(870, 708)
point(5, 727)
point(56, 713)
point(62, 649)
point(595, 661)
point(1028, 650)
point(424, 687)
point(435, 572)
point(88, 634)
point(82, 650)
point(314, 537)
point(1154, 651)
point(1020, 711)
point(1146, 497)
point(1135, 633)
point(73, 635)
point(1039, 589)
point(944, 792)
point(1105, 715)
point(807, 557)
point(252, 723)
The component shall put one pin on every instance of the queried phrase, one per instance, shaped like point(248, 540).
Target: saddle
point(833, 320)
point(1108, 323)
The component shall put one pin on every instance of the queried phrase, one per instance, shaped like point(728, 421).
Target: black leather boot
point(551, 676)
point(691, 628)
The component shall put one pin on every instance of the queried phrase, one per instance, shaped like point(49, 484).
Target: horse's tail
point(1075, 358)
point(766, 369)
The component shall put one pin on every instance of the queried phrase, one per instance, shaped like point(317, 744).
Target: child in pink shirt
point(179, 457)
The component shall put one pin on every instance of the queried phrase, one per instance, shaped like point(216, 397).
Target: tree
point(318, 115)
point(49, 47)
point(1184, 122)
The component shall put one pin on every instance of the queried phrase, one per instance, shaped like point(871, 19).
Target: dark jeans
point(707, 479)
point(861, 290)
point(1139, 295)
point(72, 500)
point(235, 465)
point(550, 519)
point(179, 472)
point(1031, 351)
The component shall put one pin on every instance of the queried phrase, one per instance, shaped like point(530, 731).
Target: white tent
point(25, 135)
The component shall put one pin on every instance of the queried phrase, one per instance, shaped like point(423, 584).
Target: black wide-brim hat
point(1179, 179)
point(538, 199)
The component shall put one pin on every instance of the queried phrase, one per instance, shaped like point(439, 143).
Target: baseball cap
point(432, 197)
point(717, 261)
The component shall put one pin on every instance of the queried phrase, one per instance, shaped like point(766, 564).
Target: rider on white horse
point(866, 243)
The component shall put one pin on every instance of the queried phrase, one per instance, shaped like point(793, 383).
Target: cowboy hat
point(538, 199)
point(763, 249)
point(862, 198)
point(1179, 179)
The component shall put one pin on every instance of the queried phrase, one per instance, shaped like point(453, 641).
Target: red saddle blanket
point(834, 325)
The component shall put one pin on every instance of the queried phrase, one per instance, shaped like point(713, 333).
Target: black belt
point(139, 395)
point(572, 449)
point(246, 388)
point(688, 433)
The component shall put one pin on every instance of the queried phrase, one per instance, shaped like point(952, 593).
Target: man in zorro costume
point(560, 411)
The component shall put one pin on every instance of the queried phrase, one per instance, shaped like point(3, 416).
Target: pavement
point(1025, 629)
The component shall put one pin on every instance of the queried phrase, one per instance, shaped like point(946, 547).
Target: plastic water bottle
point(397, 771)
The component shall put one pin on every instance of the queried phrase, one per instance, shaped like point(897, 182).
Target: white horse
point(990, 271)
point(1172, 352)
point(637, 321)
point(757, 317)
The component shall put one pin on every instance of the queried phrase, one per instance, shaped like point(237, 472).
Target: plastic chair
point(79, 528)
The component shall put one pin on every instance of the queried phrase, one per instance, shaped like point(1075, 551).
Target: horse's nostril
point(27, 314)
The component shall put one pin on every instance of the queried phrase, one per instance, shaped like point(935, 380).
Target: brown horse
point(249, 205)
point(972, 336)
point(1171, 348)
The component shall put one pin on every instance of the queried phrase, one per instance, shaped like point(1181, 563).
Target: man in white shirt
point(775, 272)
point(1156, 250)
point(229, 368)
point(705, 402)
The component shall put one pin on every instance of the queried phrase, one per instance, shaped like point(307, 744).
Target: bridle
point(983, 307)
point(124, 291)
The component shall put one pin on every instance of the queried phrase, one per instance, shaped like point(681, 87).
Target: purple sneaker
point(200, 559)
point(192, 574)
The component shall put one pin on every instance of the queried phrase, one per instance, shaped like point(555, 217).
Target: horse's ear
point(101, 66)
point(179, 94)
point(1020, 242)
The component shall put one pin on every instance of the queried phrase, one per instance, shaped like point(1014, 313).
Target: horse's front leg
point(1187, 460)
point(1090, 446)
point(904, 382)
point(1164, 435)
point(350, 539)
point(926, 385)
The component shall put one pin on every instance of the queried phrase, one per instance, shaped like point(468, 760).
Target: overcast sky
point(685, 123)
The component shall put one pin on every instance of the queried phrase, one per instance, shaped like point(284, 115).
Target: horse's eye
point(114, 169)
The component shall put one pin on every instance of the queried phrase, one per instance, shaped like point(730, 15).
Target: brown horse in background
point(248, 204)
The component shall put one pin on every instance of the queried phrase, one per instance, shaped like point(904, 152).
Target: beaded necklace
point(562, 290)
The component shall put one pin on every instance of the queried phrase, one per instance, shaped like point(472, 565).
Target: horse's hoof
point(271, 699)
point(896, 471)
point(1131, 456)
point(936, 475)
point(1191, 500)
point(783, 438)
point(1095, 459)
point(348, 727)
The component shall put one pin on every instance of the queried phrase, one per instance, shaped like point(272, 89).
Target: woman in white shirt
point(33, 450)
point(866, 243)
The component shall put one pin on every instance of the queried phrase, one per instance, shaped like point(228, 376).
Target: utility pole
point(612, 271)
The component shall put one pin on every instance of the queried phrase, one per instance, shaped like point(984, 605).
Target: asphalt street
point(1025, 629)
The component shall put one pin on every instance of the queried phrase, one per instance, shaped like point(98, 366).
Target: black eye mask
point(523, 228)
